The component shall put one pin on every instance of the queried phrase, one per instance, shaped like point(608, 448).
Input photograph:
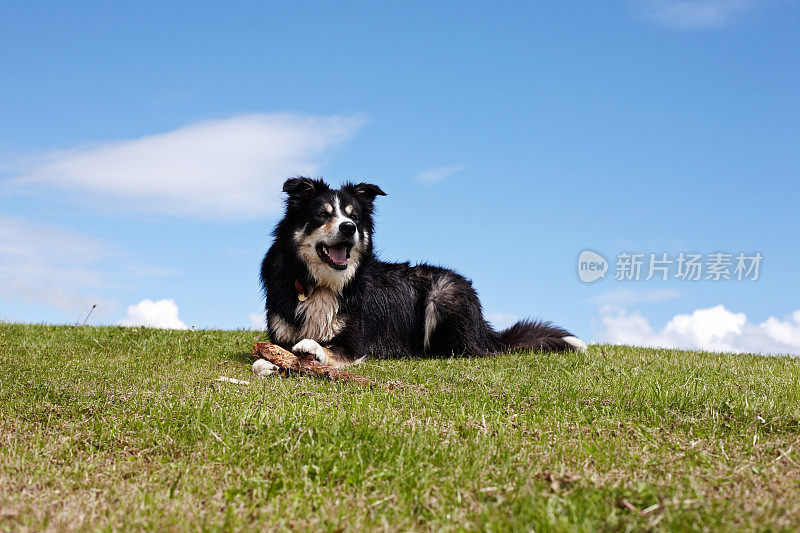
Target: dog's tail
point(539, 335)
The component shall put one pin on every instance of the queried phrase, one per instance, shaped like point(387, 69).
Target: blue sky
point(142, 148)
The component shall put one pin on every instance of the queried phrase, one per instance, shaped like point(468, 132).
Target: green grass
point(124, 428)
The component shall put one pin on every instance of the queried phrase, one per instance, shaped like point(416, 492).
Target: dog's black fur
point(353, 305)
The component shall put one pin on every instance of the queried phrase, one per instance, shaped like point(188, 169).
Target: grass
point(124, 428)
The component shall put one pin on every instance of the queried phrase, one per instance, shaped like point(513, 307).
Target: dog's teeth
point(325, 249)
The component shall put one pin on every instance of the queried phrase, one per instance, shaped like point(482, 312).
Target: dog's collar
point(303, 291)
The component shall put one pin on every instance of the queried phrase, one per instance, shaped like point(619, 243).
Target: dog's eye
point(322, 215)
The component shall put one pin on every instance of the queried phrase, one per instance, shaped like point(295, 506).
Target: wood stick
point(288, 362)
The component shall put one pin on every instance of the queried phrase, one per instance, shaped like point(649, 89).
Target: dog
point(330, 296)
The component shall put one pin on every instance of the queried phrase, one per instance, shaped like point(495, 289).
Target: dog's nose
point(347, 228)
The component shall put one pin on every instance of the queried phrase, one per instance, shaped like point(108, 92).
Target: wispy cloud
point(624, 297)
point(435, 175)
point(714, 328)
point(501, 321)
point(694, 14)
point(154, 314)
point(50, 265)
point(230, 168)
point(64, 269)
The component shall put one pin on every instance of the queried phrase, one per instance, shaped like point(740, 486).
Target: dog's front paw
point(312, 347)
point(263, 368)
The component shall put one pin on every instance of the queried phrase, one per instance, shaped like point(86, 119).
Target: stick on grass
point(288, 362)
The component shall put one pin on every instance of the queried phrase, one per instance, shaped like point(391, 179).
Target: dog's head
point(331, 229)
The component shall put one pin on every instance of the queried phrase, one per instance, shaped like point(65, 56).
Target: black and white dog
point(328, 295)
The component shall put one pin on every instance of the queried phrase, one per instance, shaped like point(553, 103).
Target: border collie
point(329, 296)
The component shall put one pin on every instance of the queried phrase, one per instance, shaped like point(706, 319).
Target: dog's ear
point(300, 189)
point(366, 192)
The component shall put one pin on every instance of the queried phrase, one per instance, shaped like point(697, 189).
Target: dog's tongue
point(338, 254)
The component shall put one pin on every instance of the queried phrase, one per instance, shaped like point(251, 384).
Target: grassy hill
point(124, 428)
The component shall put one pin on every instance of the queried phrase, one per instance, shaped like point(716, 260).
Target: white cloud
point(228, 168)
point(258, 321)
point(160, 314)
point(714, 329)
point(630, 296)
point(435, 175)
point(501, 321)
point(51, 265)
point(694, 14)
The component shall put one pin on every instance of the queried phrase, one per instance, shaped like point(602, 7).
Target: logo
point(591, 266)
point(684, 266)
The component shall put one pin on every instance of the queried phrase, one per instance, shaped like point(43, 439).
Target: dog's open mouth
point(335, 255)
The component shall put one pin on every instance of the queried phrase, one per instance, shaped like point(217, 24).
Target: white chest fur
point(320, 322)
